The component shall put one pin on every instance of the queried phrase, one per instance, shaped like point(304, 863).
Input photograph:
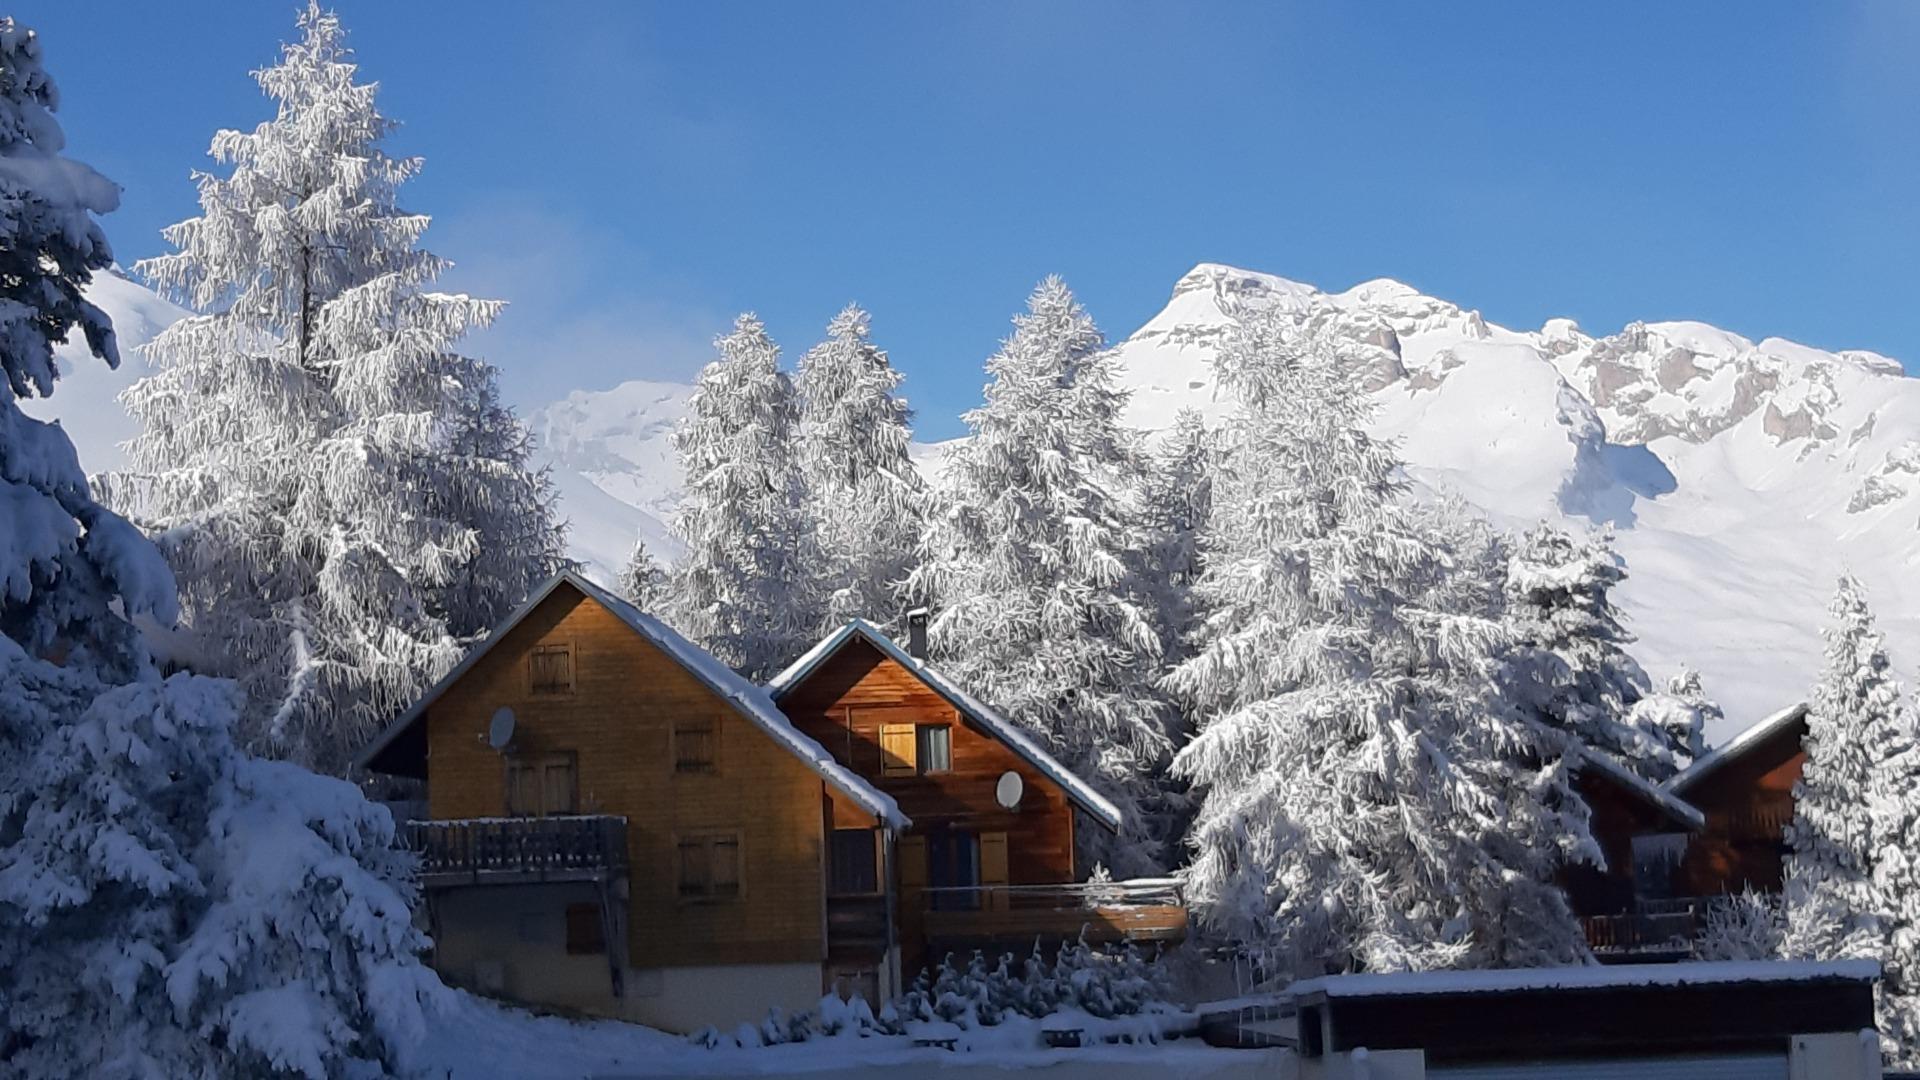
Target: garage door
point(1739, 1067)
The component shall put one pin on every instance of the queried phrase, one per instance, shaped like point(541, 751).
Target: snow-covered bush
point(1744, 926)
point(1104, 983)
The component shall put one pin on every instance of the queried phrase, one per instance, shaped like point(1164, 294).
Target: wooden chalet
point(1745, 789)
point(618, 824)
point(1631, 908)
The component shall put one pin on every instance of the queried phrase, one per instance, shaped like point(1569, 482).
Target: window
point(934, 748)
point(696, 745)
point(586, 934)
point(550, 669)
point(854, 865)
point(540, 784)
point(899, 749)
point(710, 866)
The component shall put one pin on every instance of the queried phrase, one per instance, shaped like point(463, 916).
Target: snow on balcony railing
point(1144, 909)
point(583, 847)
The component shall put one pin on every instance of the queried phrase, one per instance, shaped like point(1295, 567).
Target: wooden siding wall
point(842, 705)
point(618, 723)
point(1747, 802)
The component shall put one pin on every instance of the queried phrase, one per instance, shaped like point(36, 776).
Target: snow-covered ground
point(474, 1039)
point(1740, 477)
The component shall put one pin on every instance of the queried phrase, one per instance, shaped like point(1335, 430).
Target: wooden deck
point(481, 851)
point(1103, 912)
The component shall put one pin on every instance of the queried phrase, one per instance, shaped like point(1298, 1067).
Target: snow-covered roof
point(1006, 731)
point(1666, 801)
point(748, 700)
point(1589, 977)
point(1734, 748)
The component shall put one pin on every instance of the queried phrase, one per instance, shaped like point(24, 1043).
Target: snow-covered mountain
point(1740, 477)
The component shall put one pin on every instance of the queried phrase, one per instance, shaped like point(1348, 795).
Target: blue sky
point(629, 175)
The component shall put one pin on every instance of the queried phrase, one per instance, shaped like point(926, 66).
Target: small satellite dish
point(1008, 791)
point(500, 728)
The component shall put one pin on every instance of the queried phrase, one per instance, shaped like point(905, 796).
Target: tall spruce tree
point(166, 903)
point(339, 493)
point(1848, 890)
point(864, 497)
point(743, 589)
point(1573, 645)
point(642, 581)
point(1371, 800)
point(1035, 565)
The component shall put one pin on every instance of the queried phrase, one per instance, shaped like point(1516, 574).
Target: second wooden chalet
point(619, 824)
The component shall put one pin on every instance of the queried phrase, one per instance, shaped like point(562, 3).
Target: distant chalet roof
point(1737, 747)
point(1588, 977)
point(1084, 795)
point(750, 701)
point(1673, 806)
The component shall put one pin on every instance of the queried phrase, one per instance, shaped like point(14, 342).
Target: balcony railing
point(475, 851)
point(1655, 926)
point(1146, 909)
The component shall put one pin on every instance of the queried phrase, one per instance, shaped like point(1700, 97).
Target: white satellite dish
point(500, 728)
point(1008, 791)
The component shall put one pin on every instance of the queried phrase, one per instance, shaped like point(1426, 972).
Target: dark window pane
point(855, 871)
point(935, 750)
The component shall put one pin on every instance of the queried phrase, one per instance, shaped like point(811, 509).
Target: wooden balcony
point(1145, 910)
point(512, 851)
point(1656, 928)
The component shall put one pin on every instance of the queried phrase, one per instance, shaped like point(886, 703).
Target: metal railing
point(1149, 909)
point(587, 847)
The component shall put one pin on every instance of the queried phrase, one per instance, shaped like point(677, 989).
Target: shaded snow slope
point(1741, 477)
point(85, 399)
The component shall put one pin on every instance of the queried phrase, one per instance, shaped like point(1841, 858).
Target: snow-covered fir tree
point(642, 581)
point(1853, 721)
point(1371, 800)
point(743, 589)
point(340, 494)
point(1574, 648)
point(1894, 819)
point(864, 496)
point(1035, 565)
point(1178, 497)
point(168, 906)
point(1681, 714)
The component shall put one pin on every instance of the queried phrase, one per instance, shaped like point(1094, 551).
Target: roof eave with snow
point(1083, 794)
point(1735, 748)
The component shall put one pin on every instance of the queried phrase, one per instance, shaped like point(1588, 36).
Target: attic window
point(550, 669)
point(934, 748)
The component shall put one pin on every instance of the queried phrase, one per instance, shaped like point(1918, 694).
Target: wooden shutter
point(586, 934)
point(899, 750)
point(523, 789)
point(912, 854)
point(557, 781)
point(993, 867)
point(550, 669)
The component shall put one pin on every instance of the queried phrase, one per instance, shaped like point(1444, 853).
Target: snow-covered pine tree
point(1370, 799)
point(1895, 820)
point(1035, 565)
point(1856, 717)
point(339, 493)
point(1573, 647)
point(1681, 713)
point(743, 588)
point(865, 498)
point(642, 582)
point(1178, 497)
point(167, 905)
